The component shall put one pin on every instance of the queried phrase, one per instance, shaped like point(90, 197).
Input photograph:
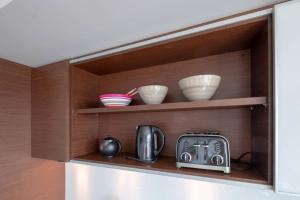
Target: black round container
point(110, 146)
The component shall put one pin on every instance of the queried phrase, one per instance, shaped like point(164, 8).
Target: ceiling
point(35, 32)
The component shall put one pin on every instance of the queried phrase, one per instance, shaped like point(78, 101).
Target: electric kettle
point(147, 149)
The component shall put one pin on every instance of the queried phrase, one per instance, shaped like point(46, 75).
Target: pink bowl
point(115, 96)
point(114, 100)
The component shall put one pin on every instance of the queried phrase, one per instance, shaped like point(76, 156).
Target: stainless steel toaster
point(206, 150)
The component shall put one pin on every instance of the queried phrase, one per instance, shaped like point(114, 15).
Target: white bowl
point(199, 87)
point(153, 94)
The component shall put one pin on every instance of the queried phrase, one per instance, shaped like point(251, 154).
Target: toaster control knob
point(186, 157)
point(217, 160)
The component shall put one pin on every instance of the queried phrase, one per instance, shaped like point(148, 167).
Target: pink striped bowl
point(115, 100)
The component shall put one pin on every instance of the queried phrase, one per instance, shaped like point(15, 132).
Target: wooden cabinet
point(50, 105)
point(287, 97)
point(240, 53)
point(68, 122)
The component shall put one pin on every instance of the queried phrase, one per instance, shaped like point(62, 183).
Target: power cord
point(240, 164)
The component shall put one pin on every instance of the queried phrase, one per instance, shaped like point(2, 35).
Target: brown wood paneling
point(22, 177)
point(225, 39)
point(232, 123)
point(51, 111)
point(84, 129)
point(262, 121)
point(233, 67)
point(167, 164)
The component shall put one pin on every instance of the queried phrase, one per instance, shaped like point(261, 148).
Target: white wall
point(88, 182)
point(287, 54)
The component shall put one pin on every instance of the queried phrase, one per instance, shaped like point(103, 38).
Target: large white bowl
point(153, 94)
point(199, 87)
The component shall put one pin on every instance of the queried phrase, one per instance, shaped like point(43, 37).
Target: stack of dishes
point(115, 100)
point(199, 87)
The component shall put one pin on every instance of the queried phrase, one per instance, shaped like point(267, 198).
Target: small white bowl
point(153, 94)
point(199, 87)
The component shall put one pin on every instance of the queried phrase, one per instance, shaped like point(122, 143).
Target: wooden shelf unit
point(240, 53)
point(168, 164)
point(197, 105)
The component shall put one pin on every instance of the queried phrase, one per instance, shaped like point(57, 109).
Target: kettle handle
point(162, 139)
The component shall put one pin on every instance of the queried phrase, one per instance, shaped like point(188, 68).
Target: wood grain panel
point(233, 124)
point(225, 39)
point(84, 129)
point(233, 67)
point(22, 177)
point(51, 111)
point(262, 120)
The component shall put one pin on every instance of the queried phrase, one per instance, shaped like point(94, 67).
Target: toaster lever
point(205, 146)
point(197, 146)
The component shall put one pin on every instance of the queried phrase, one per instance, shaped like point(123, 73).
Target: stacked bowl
point(115, 100)
point(199, 87)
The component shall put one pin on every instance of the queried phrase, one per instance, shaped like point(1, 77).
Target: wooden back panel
point(233, 123)
point(233, 67)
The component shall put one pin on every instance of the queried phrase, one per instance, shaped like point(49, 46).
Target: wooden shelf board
point(211, 104)
point(168, 164)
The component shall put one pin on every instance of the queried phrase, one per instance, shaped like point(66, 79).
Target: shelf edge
point(211, 104)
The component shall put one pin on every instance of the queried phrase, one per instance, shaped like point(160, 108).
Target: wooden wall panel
point(233, 67)
point(22, 177)
point(232, 123)
point(51, 111)
point(84, 128)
